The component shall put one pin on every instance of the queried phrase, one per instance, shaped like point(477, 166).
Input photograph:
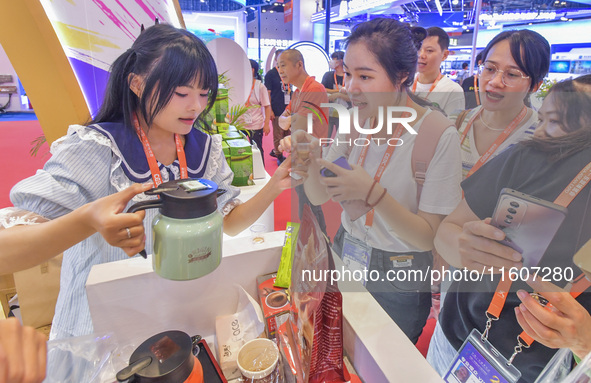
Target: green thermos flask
point(187, 232)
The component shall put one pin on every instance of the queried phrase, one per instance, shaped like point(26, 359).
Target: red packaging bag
point(312, 339)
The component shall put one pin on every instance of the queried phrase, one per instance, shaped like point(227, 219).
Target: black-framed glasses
point(510, 77)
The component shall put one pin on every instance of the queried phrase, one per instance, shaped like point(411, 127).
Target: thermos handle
point(143, 206)
point(221, 192)
point(129, 371)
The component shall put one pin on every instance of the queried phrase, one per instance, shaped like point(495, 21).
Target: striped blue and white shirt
point(92, 162)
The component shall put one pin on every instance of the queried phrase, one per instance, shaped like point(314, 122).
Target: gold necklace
point(488, 127)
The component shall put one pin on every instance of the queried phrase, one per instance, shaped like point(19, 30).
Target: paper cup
point(257, 359)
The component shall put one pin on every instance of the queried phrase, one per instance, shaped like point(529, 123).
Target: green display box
point(222, 127)
point(240, 161)
point(221, 105)
point(231, 136)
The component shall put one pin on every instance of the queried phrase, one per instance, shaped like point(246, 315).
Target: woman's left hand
point(567, 324)
point(347, 184)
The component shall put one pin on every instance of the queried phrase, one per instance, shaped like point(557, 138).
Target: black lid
point(172, 358)
point(187, 198)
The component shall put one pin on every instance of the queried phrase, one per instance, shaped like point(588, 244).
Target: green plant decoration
point(545, 88)
point(37, 144)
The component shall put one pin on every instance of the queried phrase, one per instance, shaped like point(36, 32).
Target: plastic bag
point(581, 373)
point(233, 331)
point(81, 359)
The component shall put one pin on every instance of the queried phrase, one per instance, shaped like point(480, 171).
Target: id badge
point(356, 254)
point(478, 361)
point(286, 98)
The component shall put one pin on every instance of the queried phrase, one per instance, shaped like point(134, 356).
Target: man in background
point(470, 86)
point(429, 82)
point(334, 82)
point(308, 97)
point(279, 94)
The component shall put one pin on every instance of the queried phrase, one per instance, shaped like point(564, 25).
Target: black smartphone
point(529, 223)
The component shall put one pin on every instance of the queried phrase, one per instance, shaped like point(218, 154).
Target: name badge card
point(478, 361)
point(356, 254)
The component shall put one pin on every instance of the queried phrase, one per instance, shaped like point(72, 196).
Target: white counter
point(267, 218)
point(129, 299)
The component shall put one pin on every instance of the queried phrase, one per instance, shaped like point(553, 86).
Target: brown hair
point(572, 99)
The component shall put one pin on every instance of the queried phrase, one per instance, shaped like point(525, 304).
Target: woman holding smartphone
point(396, 233)
point(557, 156)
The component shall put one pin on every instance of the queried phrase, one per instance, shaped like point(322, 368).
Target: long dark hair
point(394, 45)
point(167, 57)
point(572, 101)
point(529, 49)
point(255, 65)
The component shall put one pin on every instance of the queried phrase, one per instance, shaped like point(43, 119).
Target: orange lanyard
point(581, 284)
point(154, 169)
point(476, 89)
point(250, 94)
point(336, 82)
point(500, 139)
point(385, 161)
point(414, 84)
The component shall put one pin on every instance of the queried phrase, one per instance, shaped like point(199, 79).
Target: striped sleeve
point(77, 173)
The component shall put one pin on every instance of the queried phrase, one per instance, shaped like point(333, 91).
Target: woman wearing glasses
point(515, 62)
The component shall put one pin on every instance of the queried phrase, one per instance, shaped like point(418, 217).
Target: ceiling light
point(264, 10)
point(563, 18)
point(271, 11)
point(455, 2)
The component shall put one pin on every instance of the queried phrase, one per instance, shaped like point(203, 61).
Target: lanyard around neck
point(497, 143)
point(581, 283)
point(154, 169)
point(250, 94)
point(476, 89)
point(336, 82)
point(414, 85)
point(385, 160)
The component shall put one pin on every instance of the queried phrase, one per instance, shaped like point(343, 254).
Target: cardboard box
point(38, 288)
point(7, 291)
point(129, 300)
point(274, 303)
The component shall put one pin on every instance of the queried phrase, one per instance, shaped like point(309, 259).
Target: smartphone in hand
point(529, 223)
point(354, 208)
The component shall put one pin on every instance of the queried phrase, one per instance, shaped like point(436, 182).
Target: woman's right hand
point(302, 147)
point(479, 249)
point(124, 230)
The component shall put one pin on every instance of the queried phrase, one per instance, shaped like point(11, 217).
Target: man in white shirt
point(429, 82)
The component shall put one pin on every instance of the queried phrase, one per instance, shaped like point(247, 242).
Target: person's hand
point(347, 184)
point(124, 230)
point(567, 324)
point(272, 115)
point(282, 178)
point(23, 353)
point(334, 96)
point(266, 129)
point(285, 144)
point(479, 249)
